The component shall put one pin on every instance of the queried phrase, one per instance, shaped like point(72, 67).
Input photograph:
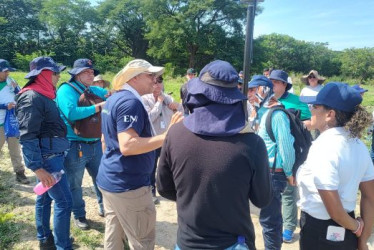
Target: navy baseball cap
point(336, 95)
point(260, 80)
point(5, 66)
point(41, 63)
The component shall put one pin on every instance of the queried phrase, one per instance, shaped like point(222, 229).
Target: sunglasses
point(311, 77)
point(56, 73)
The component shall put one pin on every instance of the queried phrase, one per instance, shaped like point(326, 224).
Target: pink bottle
point(39, 189)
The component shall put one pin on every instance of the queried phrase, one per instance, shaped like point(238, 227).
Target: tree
point(358, 63)
point(191, 33)
point(287, 53)
point(123, 26)
point(20, 28)
point(68, 28)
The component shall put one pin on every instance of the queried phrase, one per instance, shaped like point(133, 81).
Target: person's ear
point(330, 117)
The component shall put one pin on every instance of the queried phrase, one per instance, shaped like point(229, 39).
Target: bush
point(22, 62)
point(110, 63)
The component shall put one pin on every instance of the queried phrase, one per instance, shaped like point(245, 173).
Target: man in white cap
point(124, 176)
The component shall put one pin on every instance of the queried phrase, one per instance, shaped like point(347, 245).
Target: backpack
point(89, 127)
point(303, 138)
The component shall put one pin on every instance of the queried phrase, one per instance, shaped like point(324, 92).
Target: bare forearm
point(367, 214)
point(141, 145)
point(334, 207)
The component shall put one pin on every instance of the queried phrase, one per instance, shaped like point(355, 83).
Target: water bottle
point(241, 245)
point(39, 189)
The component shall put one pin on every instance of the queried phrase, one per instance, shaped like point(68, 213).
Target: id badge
point(162, 125)
point(335, 233)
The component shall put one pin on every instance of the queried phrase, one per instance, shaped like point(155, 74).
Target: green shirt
point(290, 100)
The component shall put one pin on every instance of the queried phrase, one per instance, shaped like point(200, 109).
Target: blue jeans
point(236, 246)
point(74, 167)
point(60, 193)
point(271, 215)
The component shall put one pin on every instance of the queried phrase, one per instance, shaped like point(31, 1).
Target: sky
point(341, 23)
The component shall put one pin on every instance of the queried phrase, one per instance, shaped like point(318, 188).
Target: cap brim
point(215, 93)
point(75, 71)
point(61, 68)
point(308, 99)
point(35, 72)
point(8, 69)
point(157, 70)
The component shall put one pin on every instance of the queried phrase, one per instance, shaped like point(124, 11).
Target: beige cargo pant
point(14, 150)
point(130, 215)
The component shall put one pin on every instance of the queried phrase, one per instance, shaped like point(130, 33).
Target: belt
point(276, 170)
point(86, 142)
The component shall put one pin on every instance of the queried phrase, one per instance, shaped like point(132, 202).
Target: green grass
point(9, 228)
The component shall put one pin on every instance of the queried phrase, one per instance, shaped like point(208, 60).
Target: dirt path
point(166, 227)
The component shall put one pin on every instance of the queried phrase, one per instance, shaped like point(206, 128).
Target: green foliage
point(287, 53)
point(110, 63)
point(358, 63)
point(176, 33)
point(192, 33)
point(23, 61)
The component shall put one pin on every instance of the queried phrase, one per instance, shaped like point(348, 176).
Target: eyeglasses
point(311, 77)
point(56, 73)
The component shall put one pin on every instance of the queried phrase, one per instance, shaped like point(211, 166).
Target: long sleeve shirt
point(283, 145)
point(159, 113)
point(67, 101)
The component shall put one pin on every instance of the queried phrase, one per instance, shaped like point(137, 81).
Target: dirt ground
point(166, 227)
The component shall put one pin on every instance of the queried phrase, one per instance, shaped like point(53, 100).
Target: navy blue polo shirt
point(119, 173)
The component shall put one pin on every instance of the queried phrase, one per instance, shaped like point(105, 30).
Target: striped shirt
point(284, 141)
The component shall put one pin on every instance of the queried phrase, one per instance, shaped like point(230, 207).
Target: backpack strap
point(269, 129)
point(79, 92)
point(72, 85)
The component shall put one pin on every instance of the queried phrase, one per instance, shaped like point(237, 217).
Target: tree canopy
point(176, 33)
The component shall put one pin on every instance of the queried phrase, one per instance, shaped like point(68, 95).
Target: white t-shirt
point(311, 91)
point(334, 162)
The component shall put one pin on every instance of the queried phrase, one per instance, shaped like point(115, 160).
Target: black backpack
point(303, 138)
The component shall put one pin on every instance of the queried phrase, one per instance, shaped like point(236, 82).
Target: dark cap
point(5, 66)
point(280, 75)
point(218, 82)
point(336, 95)
point(260, 80)
point(191, 71)
point(41, 63)
point(80, 65)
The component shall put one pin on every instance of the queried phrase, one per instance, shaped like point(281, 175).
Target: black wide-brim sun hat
point(218, 82)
